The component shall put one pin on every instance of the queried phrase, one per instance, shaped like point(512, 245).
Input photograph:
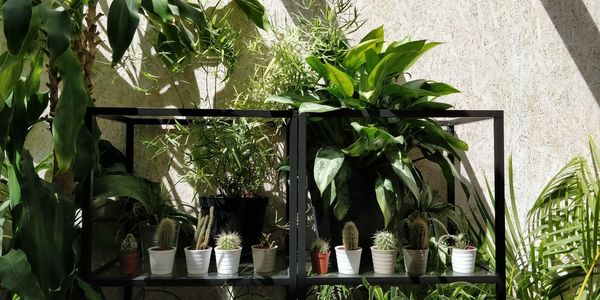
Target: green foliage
point(229, 241)
point(350, 236)
point(166, 234)
point(16, 275)
point(129, 244)
point(460, 241)
point(385, 240)
point(123, 20)
point(418, 231)
point(319, 246)
point(266, 238)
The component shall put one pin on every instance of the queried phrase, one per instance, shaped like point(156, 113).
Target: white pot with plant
point(417, 250)
point(227, 253)
point(348, 255)
point(197, 258)
point(384, 252)
point(162, 257)
point(463, 253)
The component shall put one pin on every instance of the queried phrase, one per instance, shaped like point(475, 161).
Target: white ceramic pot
point(384, 261)
point(415, 261)
point(197, 260)
point(228, 261)
point(161, 261)
point(348, 261)
point(263, 259)
point(463, 260)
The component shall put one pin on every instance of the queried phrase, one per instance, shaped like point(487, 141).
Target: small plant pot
point(384, 261)
point(320, 262)
point(463, 260)
point(348, 261)
point(263, 259)
point(415, 261)
point(197, 260)
point(129, 263)
point(228, 261)
point(161, 261)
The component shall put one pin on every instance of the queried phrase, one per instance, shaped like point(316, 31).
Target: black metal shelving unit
point(292, 271)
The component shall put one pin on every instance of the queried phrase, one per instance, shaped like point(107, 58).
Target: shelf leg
point(127, 293)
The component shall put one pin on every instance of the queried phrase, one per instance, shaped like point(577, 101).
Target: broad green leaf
point(86, 155)
point(425, 48)
point(255, 12)
point(386, 197)
point(430, 105)
point(397, 90)
point(371, 61)
point(16, 17)
point(16, 275)
point(70, 110)
point(317, 65)
point(401, 164)
point(328, 162)
point(10, 71)
point(161, 8)
point(355, 56)
point(371, 139)
point(123, 19)
point(195, 15)
point(308, 107)
point(440, 89)
point(280, 99)
point(88, 290)
point(342, 197)
point(375, 34)
point(340, 79)
point(122, 186)
point(57, 25)
point(5, 120)
point(407, 47)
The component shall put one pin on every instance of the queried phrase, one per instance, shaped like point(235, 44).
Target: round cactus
point(129, 244)
point(229, 241)
point(384, 240)
point(350, 236)
point(319, 246)
point(418, 232)
point(166, 234)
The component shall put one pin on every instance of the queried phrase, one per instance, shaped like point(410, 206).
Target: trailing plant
point(350, 236)
point(460, 241)
point(385, 240)
point(229, 241)
point(166, 234)
point(129, 244)
point(204, 227)
point(319, 246)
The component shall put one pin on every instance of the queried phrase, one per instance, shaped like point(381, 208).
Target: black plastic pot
point(244, 215)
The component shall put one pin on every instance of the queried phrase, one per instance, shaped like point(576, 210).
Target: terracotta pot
point(320, 262)
point(129, 263)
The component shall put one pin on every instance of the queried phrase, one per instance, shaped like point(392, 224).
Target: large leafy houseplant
point(371, 76)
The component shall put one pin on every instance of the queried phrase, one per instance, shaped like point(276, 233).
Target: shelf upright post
point(302, 188)
point(292, 206)
point(499, 206)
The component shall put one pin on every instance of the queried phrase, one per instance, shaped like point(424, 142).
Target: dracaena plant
point(371, 76)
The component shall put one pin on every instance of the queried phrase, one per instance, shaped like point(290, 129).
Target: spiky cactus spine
point(418, 232)
point(203, 228)
point(166, 234)
point(229, 241)
point(384, 240)
point(129, 244)
point(319, 246)
point(350, 236)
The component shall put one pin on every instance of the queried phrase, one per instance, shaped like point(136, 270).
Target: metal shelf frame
point(297, 281)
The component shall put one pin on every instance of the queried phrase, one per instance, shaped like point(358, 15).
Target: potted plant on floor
point(197, 258)
point(319, 255)
point(417, 250)
point(129, 256)
point(265, 253)
point(162, 256)
point(227, 253)
point(463, 253)
point(348, 255)
point(383, 252)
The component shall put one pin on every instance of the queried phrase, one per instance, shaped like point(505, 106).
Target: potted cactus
point(383, 252)
point(348, 255)
point(129, 256)
point(197, 257)
point(417, 250)
point(463, 253)
point(319, 256)
point(227, 252)
point(162, 256)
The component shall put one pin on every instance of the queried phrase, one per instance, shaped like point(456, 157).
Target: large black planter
point(243, 215)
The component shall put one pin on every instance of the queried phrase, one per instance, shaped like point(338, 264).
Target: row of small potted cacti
point(384, 251)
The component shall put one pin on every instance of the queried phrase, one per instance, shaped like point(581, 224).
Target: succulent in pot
point(384, 251)
point(348, 255)
point(129, 256)
point(227, 252)
point(264, 254)
point(463, 252)
point(197, 257)
point(162, 256)
point(417, 250)
point(319, 255)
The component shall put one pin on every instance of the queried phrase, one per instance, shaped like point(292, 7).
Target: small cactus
point(203, 228)
point(229, 241)
point(384, 240)
point(319, 246)
point(418, 232)
point(129, 244)
point(350, 236)
point(166, 234)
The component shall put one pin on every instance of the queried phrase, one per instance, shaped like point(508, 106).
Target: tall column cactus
point(204, 227)
point(418, 232)
point(350, 236)
point(166, 234)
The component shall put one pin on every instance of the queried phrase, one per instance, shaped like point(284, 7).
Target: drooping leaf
point(375, 34)
point(86, 156)
point(255, 12)
point(317, 65)
point(88, 290)
point(57, 25)
point(401, 166)
point(340, 79)
point(16, 17)
point(386, 198)
point(308, 107)
point(122, 186)
point(123, 19)
point(356, 56)
point(10, 71)
point(16, 276)
point(342, 197)
point(161, 8)
point(328, 162)
point(440, 89)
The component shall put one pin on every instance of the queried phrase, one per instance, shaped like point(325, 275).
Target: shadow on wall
point(580, 35)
